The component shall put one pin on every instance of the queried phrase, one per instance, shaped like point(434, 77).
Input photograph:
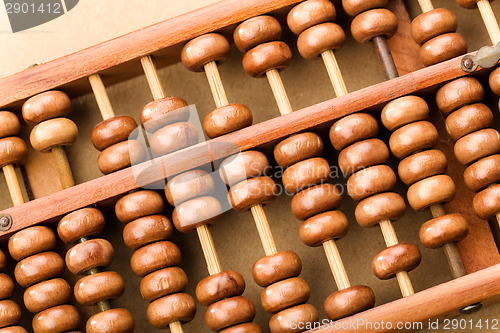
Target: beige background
point(93, 21)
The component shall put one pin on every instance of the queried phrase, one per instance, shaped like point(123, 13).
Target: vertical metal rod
point(385, 57)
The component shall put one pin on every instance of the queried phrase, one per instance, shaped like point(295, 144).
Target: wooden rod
point(101, 96)
point(152, 77)
point(63, 167)
point(489, 20)
point(336, 265)
point(176, 327)
point(405, 284)
point(215, 83)
point(266, 237)
point(426, 5)
point(333, 69)
point(16, 194)
point(208, 247)
point(279, 92)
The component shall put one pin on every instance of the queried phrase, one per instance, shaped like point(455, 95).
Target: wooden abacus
point(190, 168)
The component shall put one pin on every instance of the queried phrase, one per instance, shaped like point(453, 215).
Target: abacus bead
point(469, 4)
point(193, 213)
point(361, 155)
point(494, 81)
point(349, 301)
point(173, 137)
point(354, 7)
point(443, 47)
point(284, 294)
point(164, 282)
point(166, 310)
point(155, 256)
point(10, 313)
point(3, 261)
point(487, 202)
point(306, 173)
point(445, 229)
point(320, 38)
point(244, 165)
point(422, 165)
point(298, 148)
point(353, 128)
point(44, 106)
point(39, 267)
point(402, 257)
point(457, 93)
point(432, 24)
point(384, 206)
point(403, 111)
point(112, 131)
point(310, 13)
point(265, 57)
point(99, 287)
point(229, 312)
point(276, 267)
point(375, 179)
point(60, 319)
point(189, 185)
point(90, 254)
point(227, 119)
point(299, 315)
point(47, 294)
point(14, 329)
point(6, 286)
point(204, 49)
point(251, 192)
point(373, 23)
point(138, 204)
point(468, 119)
point(13, 150)
point(82, 223)
point(255, 31)
point(9, 124)
point(477, 145)
point(31, 241)
point(431, 191)
point(315, 200)
point(413, 137)
point(323, 227)
point(219, 286)
point(243, 328)
point(52, 133)
point(114, 320)
point(483, 173)
point(165, 111)
point(146, 230)
point(121, 156)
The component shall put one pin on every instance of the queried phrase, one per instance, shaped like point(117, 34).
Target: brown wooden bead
point(354, 7)
point(138, 204)
point(99, 287)
point(353, 128)
point(384, 206)
point(227, 119)
point(298, 148)
point(477, 145)
point(469, 4)
point(39, 267)
point(251, 192)
point(112, 131)
point(14, 329)
point(9, 124)
point(164, 282)
point(146, 230)
point(90, 254)
point(6, 286)
point(402, 257)
point(366, 182)
point(494, 81)
point(349, 301)
point(433, 23)
point(166, 310)
point(162, 112)
point(431, 191)
point(487, 202)
point(121, 156)
point(53, 133)
point(310, 13)
point(483, 173)
point(13, 150)
point(305, 174)
point(31, 241)
point(229, 312)
point(114, 320)
point(81, 223)
point(60, 319)
point(445, 229)
point(47, 294)
point(422, 165)
point(315, 200)
point(10, 313)
point(173, 137)
point(276, 267)
point(457, 93)
point(265, 57)
point(244, 165)
point(373, 23)
point(3, 261)
point(155, 256)
point(243, 328)
point(284, 294)
point(193, 213)
point(361, 155)
point(189, 185)
point(403, 111)
point(443, 47)
point(204, 49)
point(320, 38)
point(44, 106)
point(413, 137)
point(299, 316)
point(323, 227)
point(255, 31)
point(219, 286)
point(468, 119)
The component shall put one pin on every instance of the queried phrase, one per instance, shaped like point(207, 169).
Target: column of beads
point(488, 16)
point(250, 189)
point(10, 310)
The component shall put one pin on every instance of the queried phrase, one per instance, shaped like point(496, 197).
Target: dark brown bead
point(3, 261)
point(361, 155)
point(219, 286)
point(354, 7)
point(443, 47)
point(477, 145)
point(9, 124)
point(99, 287)
point(39, 267)
point(299, 315)
point(305, 174)
point(147, 230)
point(112, 131)
point(276, 267)
point(195, 212)
point(285, 294)
point(162, 112)
point(431, 191)
point(487, 202)
point(173, 137)
point(164, 282)
point(494, 81)
point(227, 119)
point(138, 204)
point(121, 156)
point(47, 294)
point(243, 328)
point(255, 31)
point(60, 319)
point(320, 38)
point(44, 106)
point(353, 128)
point(445, 229)
point(90, 254)
point(366, 182)
point(349, 301)
point(298, 148)
point(373, 23)
point(204, 49)
point(251, 192)
point(468, 119)
point(229, 312)
point(81, 223)
point(310, 13)
point(188, 185)
point(315, 200)
point(177, 307)
point(402, 257)
point(31, 241)
point(323, 227)
point(244, 165)
point(265, 57)
point(403, 111)
point(384, 206)
point(413, 137)
point(13, 150)
point(457, 93)
point(483, 173)
point(155, 256)
point(422, 165)
point(469, 4)
point(433, 23)
point(10, 313)
point(114, 320)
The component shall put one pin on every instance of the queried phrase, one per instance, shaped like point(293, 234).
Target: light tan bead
point(114, 320)
point(39, 267)
point(298, 148)
point(431, 191)
point(227, 119)
point(229, 312)
point(13, 150)
point(445, 229)
point(162, 112)
point(255, 31)
point(323, 227)
point(164, 282)
point(9, 124)
point(138, 204)
point(276, 267)
point(155, 256)
point(457, 93)
point(173, 137)
point(315, 200)
point(31, 241)
point(53, 133)
point(47, 294)
point(373, 23)
point(487, 202)
point(10, 313)
point(384, 206)
point(413, 137)
point(468, 119)
point(81, 223)
point(320, 38)
point(44, 106)
point(146, 230)
point(477, 145)
point(353, 128)
point(204, 49)
point(469, 4)
point(195, 212)
point(443, 47)
point(403, 111)
point(433, 23)
point(243, 328)
point(177, 307)
point(121, 156)
point(264, 57)
point(112, 131)
point(188, 185)
point(361, 155)
point(483, 173)
point(305, 174)
point(247, 164)
point(494, 81)
point(354, 7)
point(366, 182)
point(349, 301)
point(285, 294)
point(6, 286)
point(90, 254)
point(310, 13)
point(60, 319)
point(251, 192)
point(219, 286)
point(402, 257)
point(299, 315)
point(422, 165)
point(99, 287)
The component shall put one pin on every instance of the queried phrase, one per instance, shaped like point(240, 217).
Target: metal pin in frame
point(486, 57)
point(5, 222)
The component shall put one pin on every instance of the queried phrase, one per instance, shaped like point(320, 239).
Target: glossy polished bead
point(164, 282)
point(445, 229)
point(349, 301)
point(379, 207)
point(47, 294)
point(320, 38)
point(251, 192)
point(121, 156)
point(204, 49)
point(483, 173)
point(219, 286)
point(403, 111)
point(487, 202)
point(315, 200)
point(299, 315)
point(155, 256)
point(431, 191)
point(173, 137)
point(244, 165)
point(366, 182)
point(494, 81)
point(468, 119)
point(413, 137)
point(112, 131)
point(469, 4)
point(146, 230)
point(164, 111)
point(296, 148)
point(82, 223)
point(114, 320)
point(188, 185)
point(229, 312)
point(31, 241)
point(6, 286)
point(52, 133)
point(243, 328)
point(60, 319)
point(353, 128)
point(13, 329)
point(443, 47)
point(373, 23)
point(99, 287)
point(459, 92)
point(354, 7)
point(422, 165)
point(177, 307)
point(402, 257)
point(90, 254)
point(477, 145)
point(361, 155)
point(265, 57)
point(9, 124)
point(227, 119)
point(310, 13)
point(276, 267)
point(13, 150)
point(195, 212)
point(433, 23)
point(39, 267)
point(10, 313)
point(44, 106)
point(284, 294)
point(305, 174)
point(323, 227)
point(255, 31)
point(3, 260)
point(138, 204)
